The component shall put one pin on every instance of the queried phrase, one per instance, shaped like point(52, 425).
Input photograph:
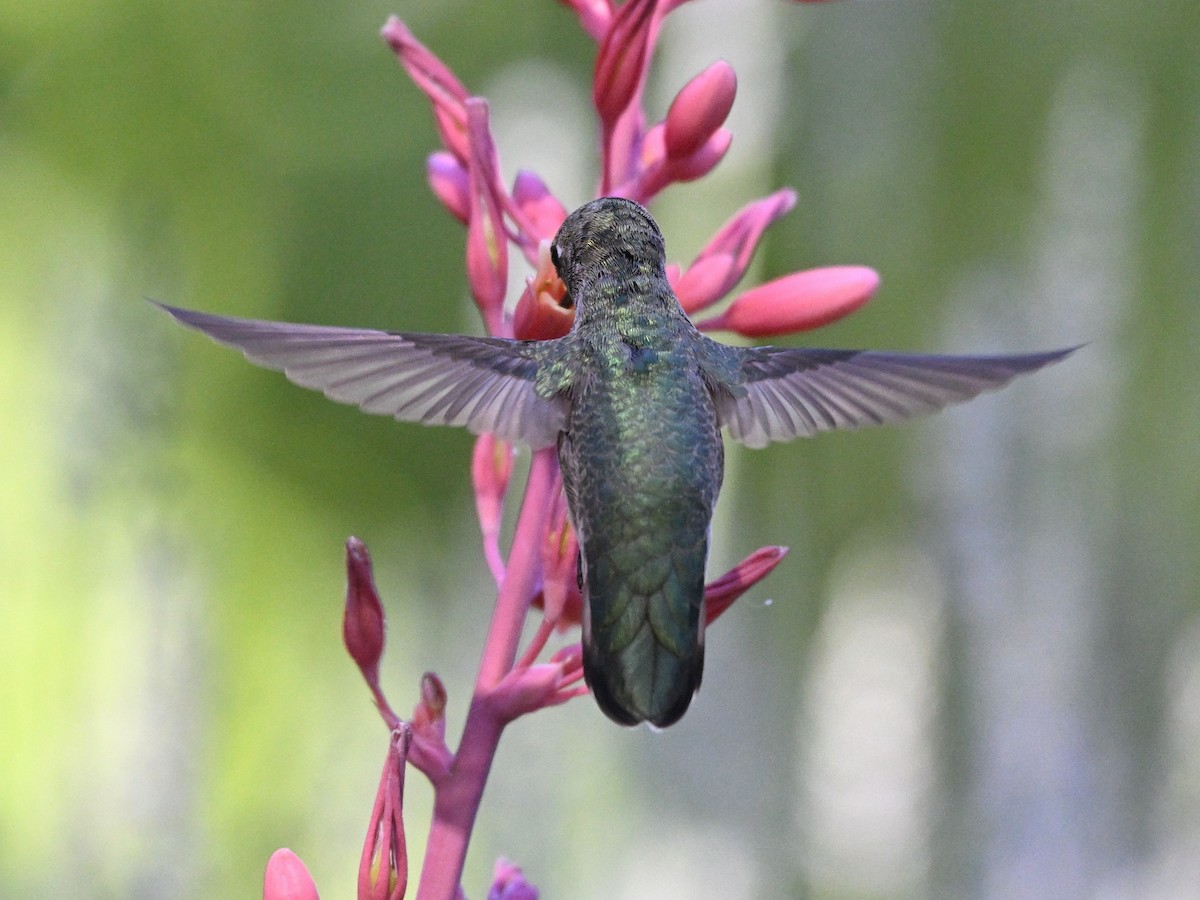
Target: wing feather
point(483, 384)
point(787, 393)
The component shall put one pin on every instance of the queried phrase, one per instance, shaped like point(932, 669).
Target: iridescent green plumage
point(642, 462)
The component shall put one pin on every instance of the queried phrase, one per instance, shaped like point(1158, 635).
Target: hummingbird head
point(610, 237)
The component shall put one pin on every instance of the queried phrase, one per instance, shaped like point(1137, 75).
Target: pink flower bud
point(450, 183)
point(438, 83)
point(541, 209)
point(432, 705)
point(724, 259)
point(623, 59)
point(560, 599)
point(363, 623)
point(720, 594)
point(491, 466)
point(428, 751)
point(287, 878)
point(699, 109)
point(383, 868)
point(798, 302)
point(487, 242)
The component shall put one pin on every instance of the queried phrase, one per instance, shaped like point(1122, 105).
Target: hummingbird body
point(642, 461)
point(634, 397)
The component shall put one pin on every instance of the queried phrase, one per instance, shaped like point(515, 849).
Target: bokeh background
point(977, 673)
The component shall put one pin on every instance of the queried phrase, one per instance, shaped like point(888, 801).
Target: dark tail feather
point(644, 661)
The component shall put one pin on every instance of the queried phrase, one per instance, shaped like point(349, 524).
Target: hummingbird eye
point(554, 257)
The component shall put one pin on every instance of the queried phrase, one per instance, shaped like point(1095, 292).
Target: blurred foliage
point(174, 697)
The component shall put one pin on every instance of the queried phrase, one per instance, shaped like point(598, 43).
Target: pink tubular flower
point(543, 312)
point(725, 258)
point(438, 83)
point(542, 210)
point(560, 600)
point(487, 244)
point(720, 594)
point(287, 878)
point(491, 467)
point(797, 302)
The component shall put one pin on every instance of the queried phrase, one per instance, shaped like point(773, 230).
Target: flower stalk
point(539, 571)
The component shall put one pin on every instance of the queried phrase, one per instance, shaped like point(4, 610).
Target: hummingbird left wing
point(785, 393)
point(484, 384)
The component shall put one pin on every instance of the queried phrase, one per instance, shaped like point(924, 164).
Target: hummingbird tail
point(643, 653)
point(660, 691)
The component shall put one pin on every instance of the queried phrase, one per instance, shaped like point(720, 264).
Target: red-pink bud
point(363, 623)
point(487, 242)
point(383, 868)
point(287, 878)
point(724, 259)
point(623, 59)
point(438, 83)
point(491, 466)
point(450, 183)
point(560, 599)
point(699, 109)
point(797, 302)
point(432, 706)
point(541, 209)
point(720, 594)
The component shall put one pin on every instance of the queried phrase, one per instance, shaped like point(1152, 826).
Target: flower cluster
point(638, 160)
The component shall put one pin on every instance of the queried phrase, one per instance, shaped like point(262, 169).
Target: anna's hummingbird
point(635, 398)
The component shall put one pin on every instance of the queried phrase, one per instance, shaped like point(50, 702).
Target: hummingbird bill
point(634, 398)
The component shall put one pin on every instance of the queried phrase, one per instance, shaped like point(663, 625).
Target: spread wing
point(787, 393)
point(483, 384)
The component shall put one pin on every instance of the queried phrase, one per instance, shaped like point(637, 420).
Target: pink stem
point(456, 798)
point(537, 644)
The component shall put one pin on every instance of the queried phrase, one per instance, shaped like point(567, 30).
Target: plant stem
point(457, 798)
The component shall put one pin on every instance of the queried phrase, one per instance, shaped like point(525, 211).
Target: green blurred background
point(979, 672)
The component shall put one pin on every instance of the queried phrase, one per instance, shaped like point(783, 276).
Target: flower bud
point(438, 83)
point(450, 183)
point(487, 242)
point(541, 209)
point(724, 259)
point(699, 109)
point(623, 59)
point(383, 868)
point(720, 594)
point(798, 302)
point(364, 626)
point(287, 878)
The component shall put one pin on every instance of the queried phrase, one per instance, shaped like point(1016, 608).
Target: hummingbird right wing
point(781, 393)
point(484, 384)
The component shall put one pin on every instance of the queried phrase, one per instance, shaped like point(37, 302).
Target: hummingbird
point(634, 397)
